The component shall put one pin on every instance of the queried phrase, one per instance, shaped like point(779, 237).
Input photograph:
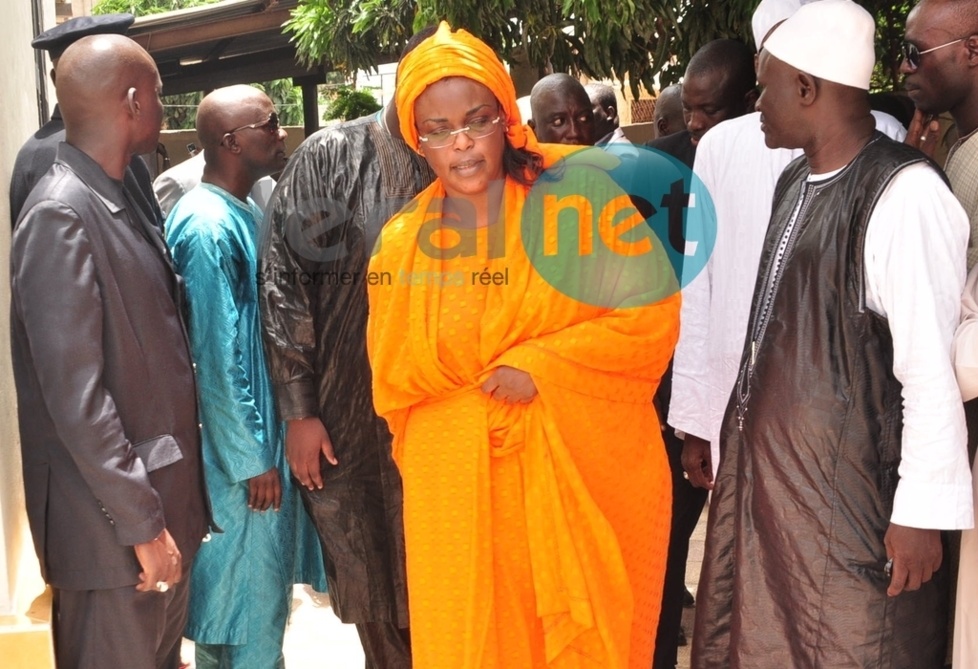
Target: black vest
point(811, 446)
point(814, 351)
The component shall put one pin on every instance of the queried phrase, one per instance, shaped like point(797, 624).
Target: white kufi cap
point(829, 39)
point(769, 14)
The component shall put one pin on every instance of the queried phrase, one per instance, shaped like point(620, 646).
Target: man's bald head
point(109, 84)
point(962, 13)
point(242, 140)
point(668, 115)
point(559, 82)
point(561, 111)
point(228, 108)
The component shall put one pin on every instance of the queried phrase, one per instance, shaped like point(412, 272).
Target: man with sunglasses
point(940, 65)
point(241, 582)
point(180, 179)
point(340, 187)
point(940, 68)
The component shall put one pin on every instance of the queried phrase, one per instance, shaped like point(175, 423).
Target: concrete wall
point(19, 576)
point(176, 142)
point(639, 133)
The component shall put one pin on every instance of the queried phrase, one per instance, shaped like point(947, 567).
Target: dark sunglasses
point(912, 54)
point(271, 124)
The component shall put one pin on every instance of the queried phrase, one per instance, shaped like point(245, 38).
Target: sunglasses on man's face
point(912, 54)
point(271, 124)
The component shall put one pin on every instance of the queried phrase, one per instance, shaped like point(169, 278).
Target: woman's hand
point(510, 385)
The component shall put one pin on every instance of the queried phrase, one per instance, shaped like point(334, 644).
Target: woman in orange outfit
point(517, 379)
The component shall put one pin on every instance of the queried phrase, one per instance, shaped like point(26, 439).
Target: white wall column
point(20, 579)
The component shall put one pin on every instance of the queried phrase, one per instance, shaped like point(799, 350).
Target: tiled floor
point(316, 639)
point(696, 545)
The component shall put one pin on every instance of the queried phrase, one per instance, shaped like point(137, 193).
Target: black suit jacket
point(105, 384)
point(676, 145)
point(37, 155)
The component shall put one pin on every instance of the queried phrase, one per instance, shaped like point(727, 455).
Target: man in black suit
point(105, 385)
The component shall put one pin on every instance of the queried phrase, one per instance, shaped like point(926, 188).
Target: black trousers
point(687, 505)
point(96, 629)
point(385, 646)
point(364, 568)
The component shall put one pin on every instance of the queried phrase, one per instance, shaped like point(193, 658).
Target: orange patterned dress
point(535, 534)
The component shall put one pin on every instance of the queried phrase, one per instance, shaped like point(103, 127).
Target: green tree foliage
point(287, 98)
point(891, 18)
point(145, 7)
point(346, 103)
point(351, 34)
point(181, 110)
point(640, 41)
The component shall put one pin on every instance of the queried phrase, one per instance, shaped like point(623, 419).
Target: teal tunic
point(241, 581)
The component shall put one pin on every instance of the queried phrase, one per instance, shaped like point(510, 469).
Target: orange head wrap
point(455, 54)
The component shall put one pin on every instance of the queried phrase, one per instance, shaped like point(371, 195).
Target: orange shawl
point(612, 353)
point(581, 582)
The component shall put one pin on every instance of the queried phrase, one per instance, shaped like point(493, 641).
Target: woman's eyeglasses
point(477, 129)
point(912, 54)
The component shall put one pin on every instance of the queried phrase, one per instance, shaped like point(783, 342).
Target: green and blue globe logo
point(619, 226)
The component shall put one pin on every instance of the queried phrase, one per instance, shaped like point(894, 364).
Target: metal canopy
point(230, 42)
